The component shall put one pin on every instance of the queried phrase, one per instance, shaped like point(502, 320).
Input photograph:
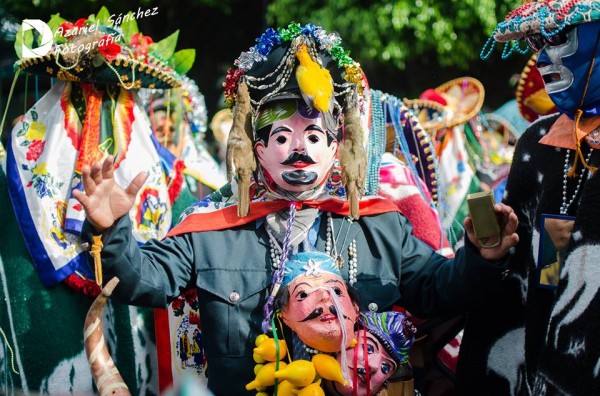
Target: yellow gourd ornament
point(329, 368)
point(267, 349)
point(259, 340)
point(299, 373)
point(285, 388)
point(313, 389)
point(265, 376)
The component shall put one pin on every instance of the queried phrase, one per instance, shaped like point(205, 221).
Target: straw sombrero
point(464, 98)
point(432, 115)
point(532, 99)
point(123, 70)
point(100, 54)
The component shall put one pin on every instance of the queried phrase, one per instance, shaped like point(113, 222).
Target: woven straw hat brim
point(513, 133)
point(145, 75)
point(431, 115)
point(470, 90)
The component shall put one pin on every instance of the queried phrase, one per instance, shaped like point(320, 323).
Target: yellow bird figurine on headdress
point(316, 86)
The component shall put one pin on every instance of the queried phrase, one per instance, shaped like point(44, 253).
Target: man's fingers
point(136, 184)
point(510, 240)
point(96, 173)
point(468, 223)
point(88, 183)
point(108, 168)
point(511, 222)
point(81, 197)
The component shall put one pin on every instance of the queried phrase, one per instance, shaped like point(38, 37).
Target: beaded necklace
point(565, 205)
point(377, 140)
point(330, 242)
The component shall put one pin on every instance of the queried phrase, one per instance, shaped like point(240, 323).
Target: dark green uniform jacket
point(232, 271)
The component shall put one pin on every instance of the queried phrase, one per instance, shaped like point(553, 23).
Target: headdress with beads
point(272, 70)
point(395, 332)
point(545, 17)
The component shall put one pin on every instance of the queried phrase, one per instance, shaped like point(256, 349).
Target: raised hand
point(508, 238)
point(104, 200)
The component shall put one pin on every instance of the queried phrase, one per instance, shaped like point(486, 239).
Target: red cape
point(227, 218)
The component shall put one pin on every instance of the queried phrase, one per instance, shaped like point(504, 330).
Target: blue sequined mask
point(564, 68)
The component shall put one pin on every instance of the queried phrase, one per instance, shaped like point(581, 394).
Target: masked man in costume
point(532, 339)
point(296, 198)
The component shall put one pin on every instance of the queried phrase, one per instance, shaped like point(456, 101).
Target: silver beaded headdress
point(264, 73)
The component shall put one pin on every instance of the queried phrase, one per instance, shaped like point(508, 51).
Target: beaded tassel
point(279, 272)
point(353, 265)
point(377, 137)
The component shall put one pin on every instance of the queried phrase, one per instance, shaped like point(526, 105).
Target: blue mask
point(564, 68)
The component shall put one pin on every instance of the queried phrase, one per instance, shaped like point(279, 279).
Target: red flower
point(69, 30)
point(80, 22)
point(65, 29)
point(108, 48)
point(35, 150)
point(140, 43)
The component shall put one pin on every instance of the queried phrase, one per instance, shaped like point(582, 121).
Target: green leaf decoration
point(129, 26)
point(54, 23)
point(165, 48)
point(183, 60)
point(102, 16)
point(22, 39)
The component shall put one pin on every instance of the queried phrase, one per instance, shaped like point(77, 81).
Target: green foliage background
point(404, 46)
point(397, 31)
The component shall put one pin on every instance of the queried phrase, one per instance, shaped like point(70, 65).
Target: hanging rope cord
point(278, 275)
point(279, 272)
point(10, 94)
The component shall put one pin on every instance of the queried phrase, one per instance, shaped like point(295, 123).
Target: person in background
point(531, 339)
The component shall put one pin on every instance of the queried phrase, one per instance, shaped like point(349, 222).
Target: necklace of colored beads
point(377, 140)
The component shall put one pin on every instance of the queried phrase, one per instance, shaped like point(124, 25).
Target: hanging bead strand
point(564, 208)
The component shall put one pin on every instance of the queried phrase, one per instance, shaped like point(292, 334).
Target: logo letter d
point(45, 40)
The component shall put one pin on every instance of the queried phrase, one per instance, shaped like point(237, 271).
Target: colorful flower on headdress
point(231, 83)
point(70, 30)
point(139, 43)
point(266, 42)
point(330, 42)
point(108, 48)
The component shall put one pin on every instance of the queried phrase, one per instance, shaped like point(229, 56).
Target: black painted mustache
point(313, 315)
point(296, 156)
point(319, 311)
